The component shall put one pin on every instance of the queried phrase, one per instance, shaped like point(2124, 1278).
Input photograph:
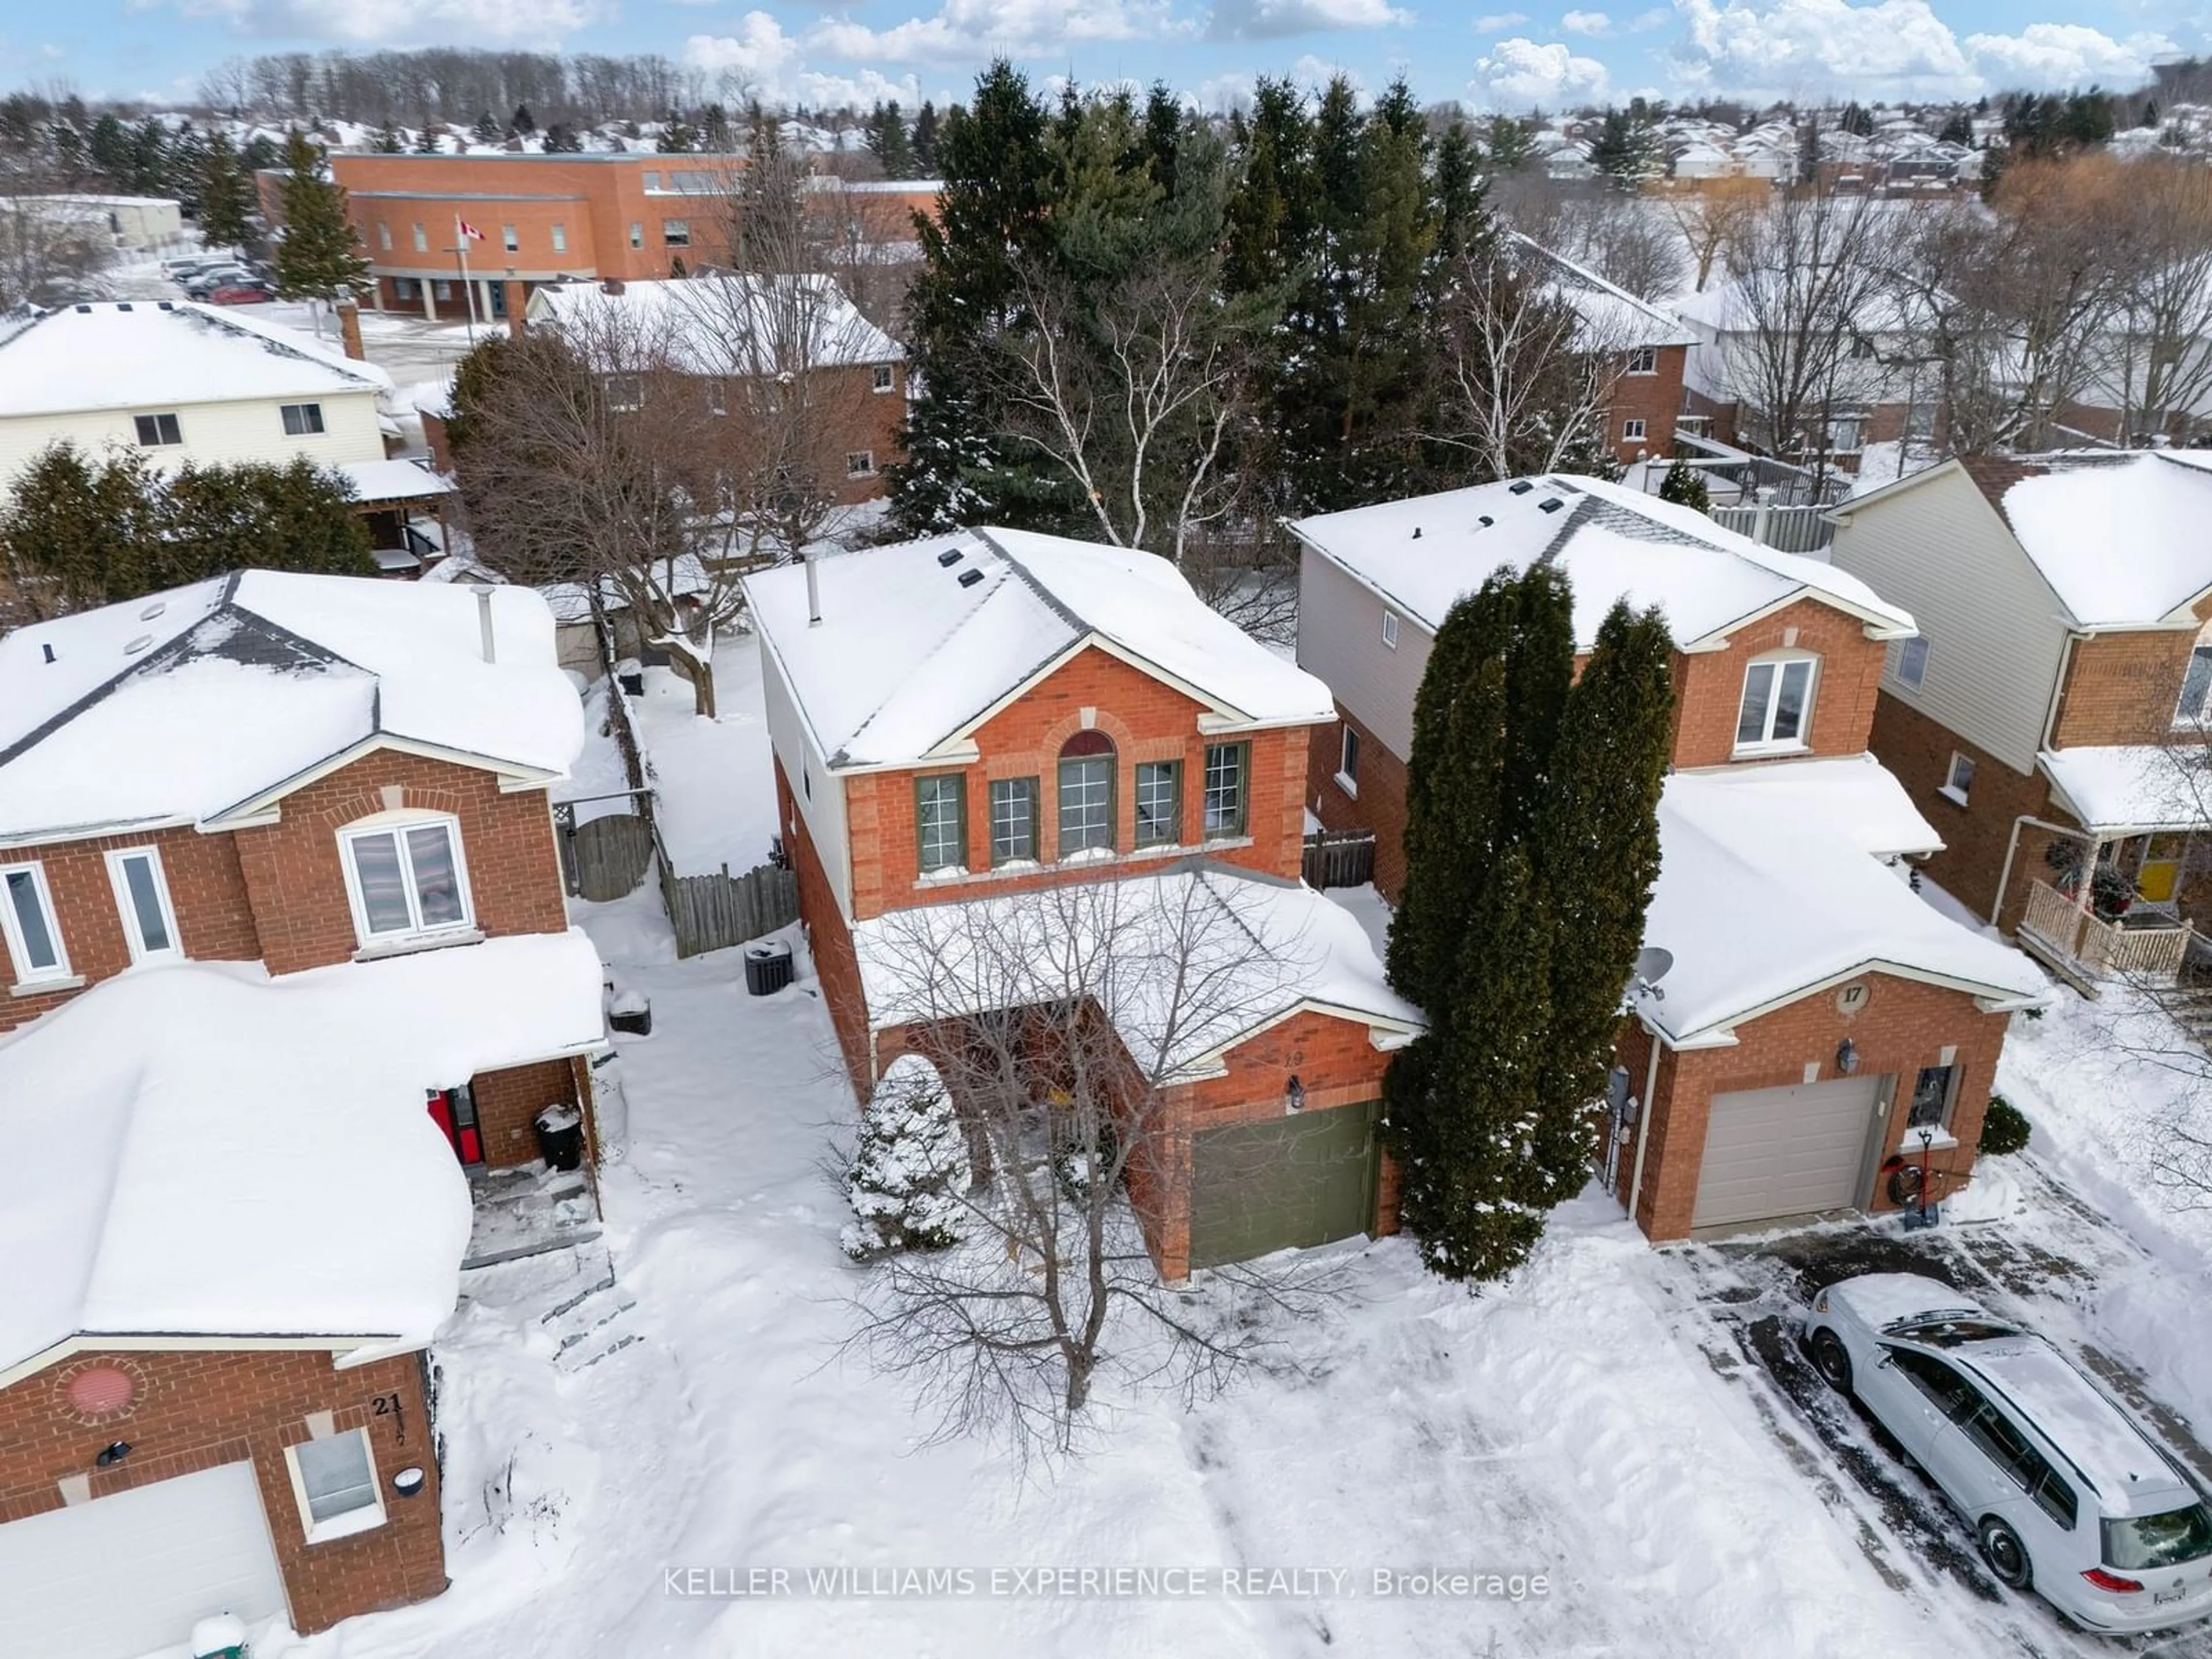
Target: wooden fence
point(1340, 857)
point(711, 913)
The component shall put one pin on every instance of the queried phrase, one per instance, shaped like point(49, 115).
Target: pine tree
point(887, 141)
point(426, 142)
point(1508, 144)
point(388, 141)
point(1957, 128)
point(925, 139)
point(1686, 486)
point(524, 121)
point(226, 194)
point(910, 1167)
point(320, 256)
point(561, 139)
point(84, 528)
point(1626, 149)
point(487, 130)
point(677, 136)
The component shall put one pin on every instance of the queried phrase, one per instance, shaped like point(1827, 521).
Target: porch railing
point(2102, 948)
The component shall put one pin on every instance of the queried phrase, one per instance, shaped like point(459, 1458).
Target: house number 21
point(388, 1404)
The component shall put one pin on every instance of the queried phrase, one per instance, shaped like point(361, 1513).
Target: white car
point(2066, 1494)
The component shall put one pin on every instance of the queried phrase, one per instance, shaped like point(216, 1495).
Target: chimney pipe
point(814, 592)
point(483, 624)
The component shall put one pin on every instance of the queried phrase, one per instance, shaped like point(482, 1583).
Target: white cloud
point(1498, 21)
point(758, 52)
point(1262, 19)
point(1517, 73)
point(1785, 48)
point(963, 31)
point(1587, 22)
point(1658, 18)
point(542, 23)
point(1226, 92)
point(862, 91)
point(2044, 57)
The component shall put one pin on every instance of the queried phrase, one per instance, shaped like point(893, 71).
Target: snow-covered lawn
point(715, 796)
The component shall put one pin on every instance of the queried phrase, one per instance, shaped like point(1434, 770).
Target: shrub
point(910, 1167)
point(2004, 1129)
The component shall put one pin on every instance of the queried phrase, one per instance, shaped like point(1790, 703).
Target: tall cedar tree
point(320, 256)
point(226, 193)
point(1531, 845)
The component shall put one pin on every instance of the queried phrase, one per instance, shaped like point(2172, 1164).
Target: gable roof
point(197, 1149)
point(718, 322)
point(920, 641)
point(2120, 541)
point(162, 354)
point(1425, 554)
point(1616, 319)
point(181, 706)
point(1773, 885)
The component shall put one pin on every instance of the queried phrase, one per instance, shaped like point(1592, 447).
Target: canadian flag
point(468, 230)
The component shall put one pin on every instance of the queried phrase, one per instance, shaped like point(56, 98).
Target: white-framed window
point(652, 181)
point(334, 1483)
point(34, 936)
point(637, 233)
point(625, 392)
point(676, 232)
point(422, 239)
point(886, 378)
point(718, 395)
point(1776, 711)
point(1631, 431)
point(1912, 661)
point(510, 238)
point(1347, 762)
point(860, 463)
point(384, 235)
point(142, 898)
point(1390, 628)
point(1645, 360)
point(303, 420)
point(158, 431)
point(2196, 699)
point(560, 239)
point(1959, 781)
point(406, 879)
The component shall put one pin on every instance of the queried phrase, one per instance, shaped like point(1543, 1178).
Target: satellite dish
point(1652, 962)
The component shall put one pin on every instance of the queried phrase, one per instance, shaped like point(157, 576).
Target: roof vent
point(164, 305)
point(46, 647)
point(122, 305)
point(153, 611)
point(949, 556)
point(1485, 522)
point(969, 578)
point(137, 645)
point(1417, 532)
point(1521, 486)
point(1550, 504)
point(87, 310)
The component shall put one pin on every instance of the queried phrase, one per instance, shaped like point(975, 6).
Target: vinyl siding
point(212, 432)
point(1341, 640)
point(822, 806)
point(1995, 631)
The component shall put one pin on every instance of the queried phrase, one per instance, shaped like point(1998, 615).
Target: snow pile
point(910, 1160)
point(919, 640)
point(2119, 542)
point(201, 1149)
point(1425, 554)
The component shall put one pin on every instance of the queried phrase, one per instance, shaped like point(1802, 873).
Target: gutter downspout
point(1643, 1120)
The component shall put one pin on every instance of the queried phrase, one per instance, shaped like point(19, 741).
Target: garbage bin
point(559, 1137)
point(219, 1637)
point(768, 968)
point(631, 1014)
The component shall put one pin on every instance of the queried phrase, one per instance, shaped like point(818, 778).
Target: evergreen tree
point(714, 135)
point(1686, 486)
point(388, 141)
point(885, 133)
point(487, 131)
point(561, 139)
point(524, 121)
point(1462, 223)
point(86, 528)
point(320, 256)
point(226, 194)
point(1957, 128)
point(925, 140)
point(1508, 144)
point(1808, 151)
point(1626, 149)
point(910, 1167)
point(677, 136)
point(426, 142)
point(1855, 120)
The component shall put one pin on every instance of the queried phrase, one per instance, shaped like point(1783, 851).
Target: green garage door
point(1284, 1183)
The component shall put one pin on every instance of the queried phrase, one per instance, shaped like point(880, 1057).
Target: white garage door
point(123, 1576)
point(1774, 1153)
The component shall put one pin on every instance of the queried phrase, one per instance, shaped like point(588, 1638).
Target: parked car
point(199, 287)
point(2067, 1495)
point(191, 265)
point(241, 294)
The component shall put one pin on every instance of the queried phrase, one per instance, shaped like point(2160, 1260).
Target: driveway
point(2046, 1275)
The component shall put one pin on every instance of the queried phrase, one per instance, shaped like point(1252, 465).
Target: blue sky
point(1522, 53)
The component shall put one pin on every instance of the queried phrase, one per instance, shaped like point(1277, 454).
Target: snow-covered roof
point(2119, 542)
point(154, 354)
point(919, 640)
point(2132, 789)
point(1772, 886)
point(392, 481)
point(1423, 553)
point(178, 707)
point(201, 1150)
point(1185, 963)
point(717, 322)
point(1615, 318)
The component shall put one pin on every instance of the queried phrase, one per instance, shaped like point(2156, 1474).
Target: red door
point(454, 1112)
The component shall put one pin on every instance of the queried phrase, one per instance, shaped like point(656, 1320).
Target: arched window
point(1086, 792)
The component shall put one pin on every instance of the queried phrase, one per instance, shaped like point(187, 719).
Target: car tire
point(1832, 1360)
point(2006, 1555)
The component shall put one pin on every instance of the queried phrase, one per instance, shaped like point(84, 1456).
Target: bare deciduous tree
point(1061, 1022)
point(1712, 215)
point(51, 250)
point(2155, 367)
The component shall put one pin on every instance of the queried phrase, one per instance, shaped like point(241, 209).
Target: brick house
point(1639, 352)
point(997, 728)
point(2051, 716)
point(1816, 1014)
point(697, 336)
point(282, 931)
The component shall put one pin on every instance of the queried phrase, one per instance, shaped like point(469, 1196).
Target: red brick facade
point(1655, 399)
point(1380, 804)
point(195, 1410)
point(1903, 1025)
point(2122, 688)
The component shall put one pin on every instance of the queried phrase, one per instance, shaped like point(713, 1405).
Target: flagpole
point(468, 293)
